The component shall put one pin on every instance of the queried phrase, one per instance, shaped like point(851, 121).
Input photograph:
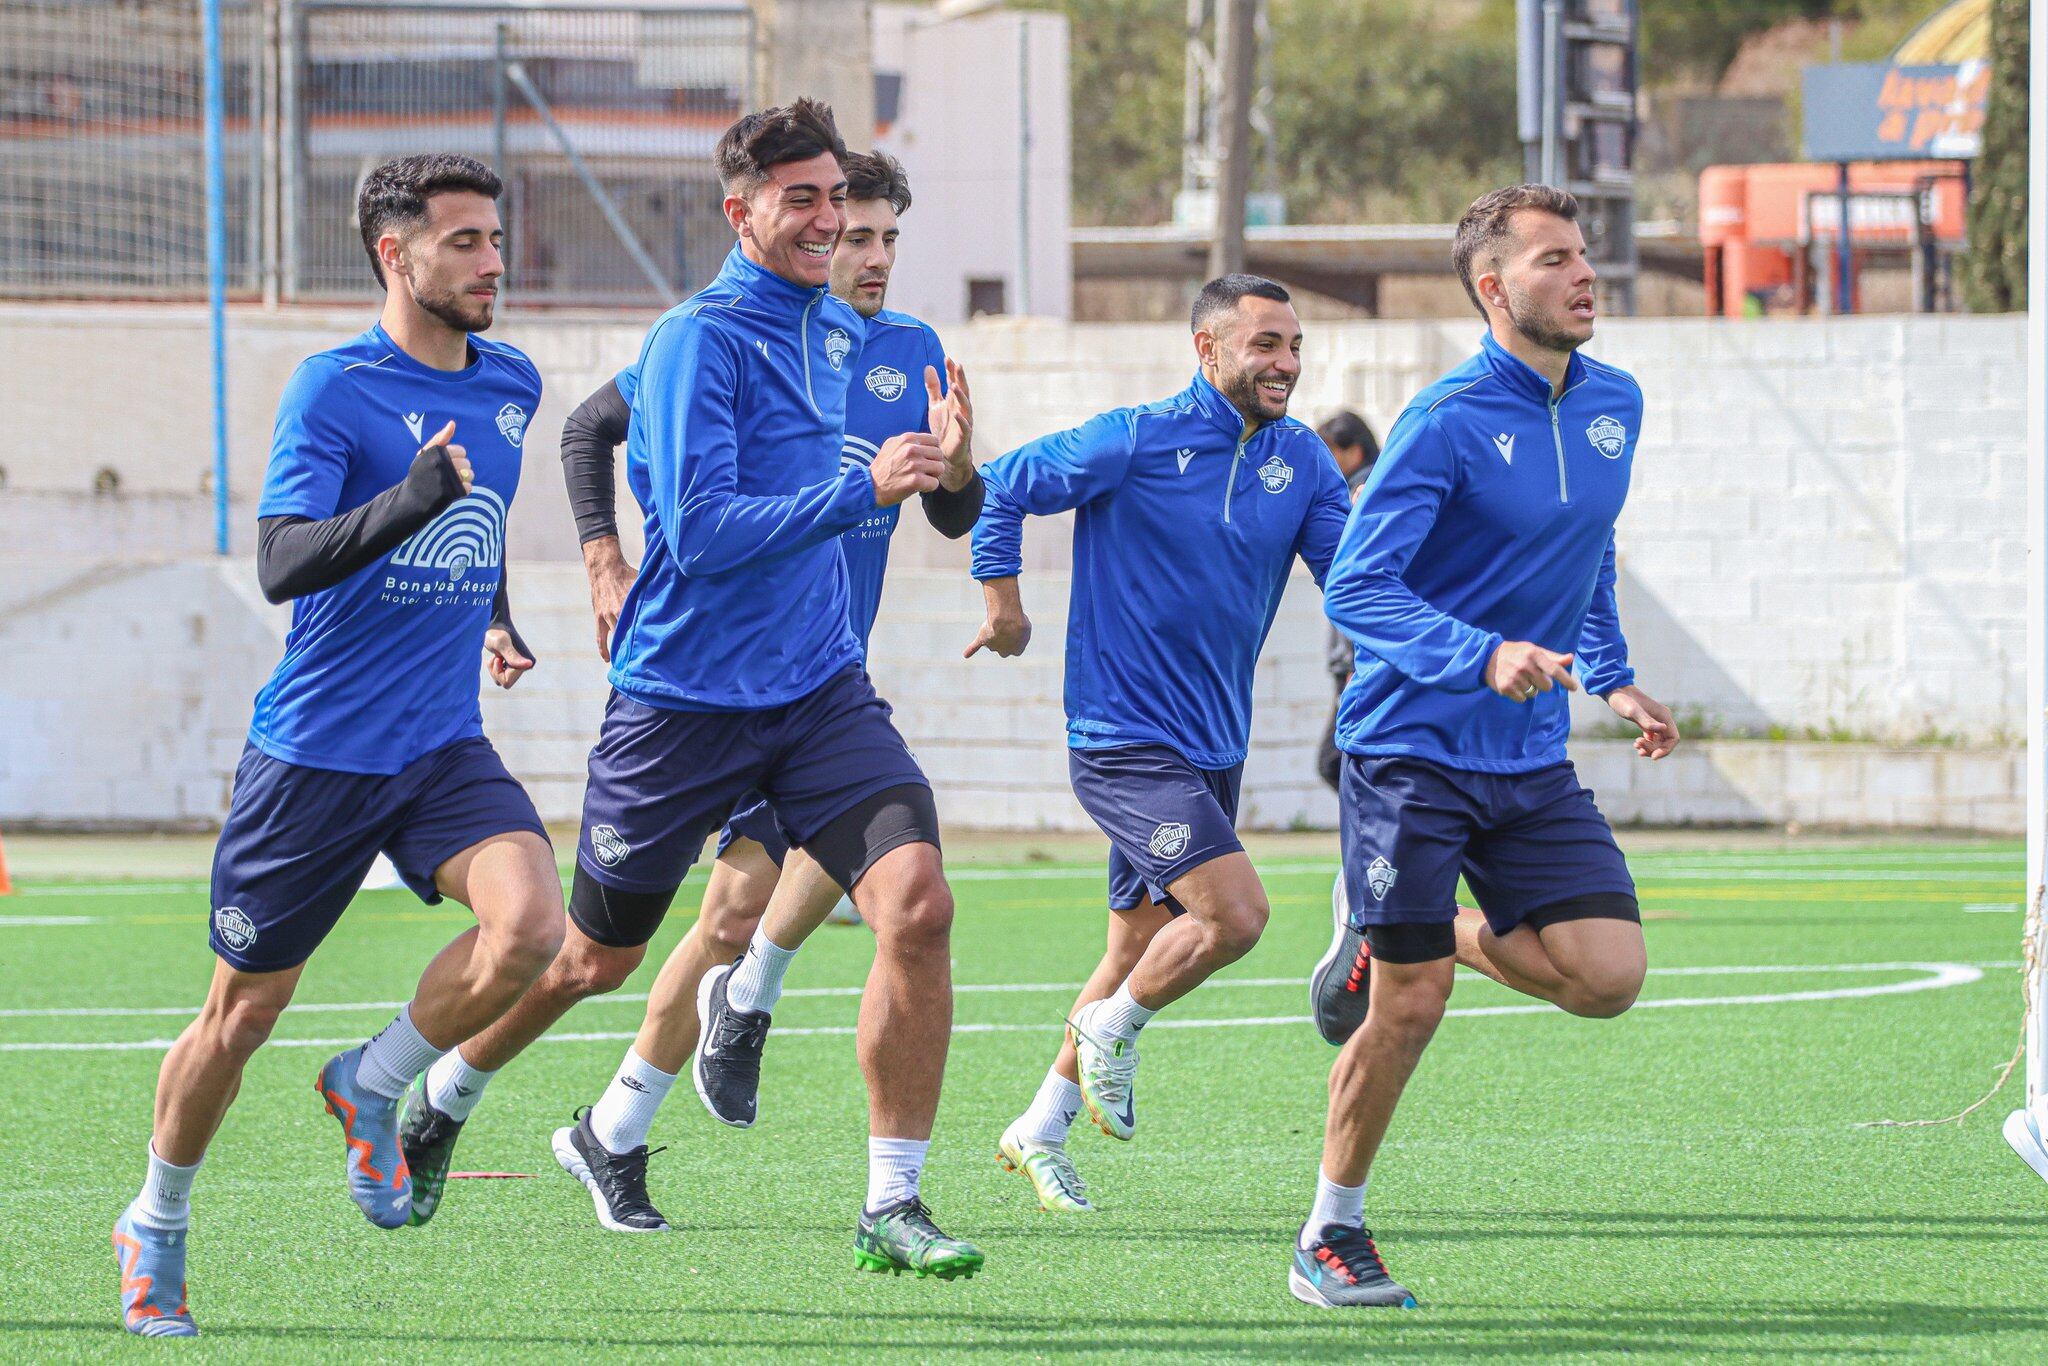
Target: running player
point(754, 856)
point(389, 537)
point(1192, 511)
point(735, 668)
point(1476, 576)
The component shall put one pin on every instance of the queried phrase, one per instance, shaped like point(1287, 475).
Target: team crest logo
point(1380, 877)
point(886, 383)
point(469, 534)
point(838, 346)
point(1608, 436)
point(234, 928)
point(512, 422)
point(1276, 474)
point(1169, 840)
point(609, 848)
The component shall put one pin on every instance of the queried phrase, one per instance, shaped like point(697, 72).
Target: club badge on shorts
point(1170, 840)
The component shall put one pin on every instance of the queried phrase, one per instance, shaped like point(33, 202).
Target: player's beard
point(1241, 387)
point(1528, 320)
point(865, 305)
point(452, 308)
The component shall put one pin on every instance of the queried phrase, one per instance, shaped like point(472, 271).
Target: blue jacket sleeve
point(1328, 511)
point(1364, 593)
point(1603, 653)
point(685, 415)
point(1052, 474)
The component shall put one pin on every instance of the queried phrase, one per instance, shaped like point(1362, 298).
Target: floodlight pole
point(2037, 549)
point(216, 267)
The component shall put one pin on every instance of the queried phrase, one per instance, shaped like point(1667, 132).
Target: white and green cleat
point(1109, 1073)
point(1049, 1170)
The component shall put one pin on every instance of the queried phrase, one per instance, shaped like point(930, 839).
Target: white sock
point(166, 1199)
point(756, 984)
point(894, 1165)
point(1052, 1110)
point(1122, 1016)
point(454, 1087)
point(1343, 1206)
point(625, 1112)
point(394, 1058)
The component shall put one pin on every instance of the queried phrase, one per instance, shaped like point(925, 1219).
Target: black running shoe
point(1342, 1269)
point(427, 1137)
point(726, 1067)
point(1337, 989)
point(617, 1181)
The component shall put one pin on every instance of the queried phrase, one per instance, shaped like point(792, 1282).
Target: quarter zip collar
point(764, 288)
point(1209, 401)
point(1522, 377)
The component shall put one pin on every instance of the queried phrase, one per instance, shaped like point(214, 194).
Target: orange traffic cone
point(5, 885)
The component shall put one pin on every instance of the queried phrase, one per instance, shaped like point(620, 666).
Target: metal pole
point(515, 72)
point(272, 156)
point(500, 161)
point(291, 35)
point(1845, 297)
point(217, 266)
point(1023, 165)
point(1237, 55)
point(2037, 554)
point(1551, 21)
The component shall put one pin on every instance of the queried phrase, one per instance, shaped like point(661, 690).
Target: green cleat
point(1049, 1170)
point(902, 1237)
point(428, 1138)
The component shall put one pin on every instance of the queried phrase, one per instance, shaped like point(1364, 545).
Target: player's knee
point(728, 931)
point(529, 943)
point(1408, 1013)
point(591, 969)
point(242, 1024)
point(923, 920)
point(1602, 996)
point(1236, 932)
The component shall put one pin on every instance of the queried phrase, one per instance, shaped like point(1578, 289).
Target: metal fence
point(601, 119)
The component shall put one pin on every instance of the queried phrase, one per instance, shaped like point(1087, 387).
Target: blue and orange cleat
point(152, 1264)
point(378, 1180)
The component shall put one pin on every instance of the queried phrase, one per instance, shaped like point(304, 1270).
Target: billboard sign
point(1874, 111)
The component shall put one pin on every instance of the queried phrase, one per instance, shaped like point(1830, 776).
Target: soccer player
point(1191, 512)
point(389, 538)
point(735, 668)
point(754, 857)
point(1476, 577)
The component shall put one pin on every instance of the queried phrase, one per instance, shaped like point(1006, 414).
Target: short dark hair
point(876, 175)
point(1223, 293)
point(769, 137)
point(395, 195)
point(1346, 428)
point(1490, 221)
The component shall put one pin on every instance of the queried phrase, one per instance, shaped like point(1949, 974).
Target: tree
point(1995, 270)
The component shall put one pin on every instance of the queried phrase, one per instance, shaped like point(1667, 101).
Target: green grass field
point(1687, 1180)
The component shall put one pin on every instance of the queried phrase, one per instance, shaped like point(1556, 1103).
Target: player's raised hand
point(952, 419)
point(1659, 729)
point(457, 456)
point(503, 657)
point(906, 465)
point(1520, 670)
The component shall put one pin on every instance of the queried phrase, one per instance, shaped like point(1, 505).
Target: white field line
point(7, 920)
point(1991, 907)
point(1938, 976)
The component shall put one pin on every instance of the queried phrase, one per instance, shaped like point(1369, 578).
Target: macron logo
point(1505, 444)
point(416, 424)
point(1183, 455)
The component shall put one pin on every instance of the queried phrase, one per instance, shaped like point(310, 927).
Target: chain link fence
point(601, 119)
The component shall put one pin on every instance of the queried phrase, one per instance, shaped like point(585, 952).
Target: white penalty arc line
point(1938, 976)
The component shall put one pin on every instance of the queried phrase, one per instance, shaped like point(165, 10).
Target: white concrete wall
point(1826, 536)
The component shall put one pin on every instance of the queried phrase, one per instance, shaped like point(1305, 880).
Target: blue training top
point(1184, 538)
point(1489, 517)
point(382, 668)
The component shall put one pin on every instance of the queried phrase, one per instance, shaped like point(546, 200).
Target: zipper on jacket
point(1231, 487)
point(1564, 489)
point(803, 344)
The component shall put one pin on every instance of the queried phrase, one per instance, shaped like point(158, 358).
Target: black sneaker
point(617, 1181)
point(1337, 989)
point(427, 1137)
point(726, 1067)
point(1342, 1269)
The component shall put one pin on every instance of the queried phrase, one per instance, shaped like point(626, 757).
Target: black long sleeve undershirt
point(595, 430)
point(296, 555)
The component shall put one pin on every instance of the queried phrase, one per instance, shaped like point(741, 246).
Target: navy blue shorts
point(1523, 841)
point(298, 841)
point(754, 819)
point(661, 780)
point(1162, 814)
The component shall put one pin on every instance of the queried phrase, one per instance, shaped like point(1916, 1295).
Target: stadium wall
point(1822, 565)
